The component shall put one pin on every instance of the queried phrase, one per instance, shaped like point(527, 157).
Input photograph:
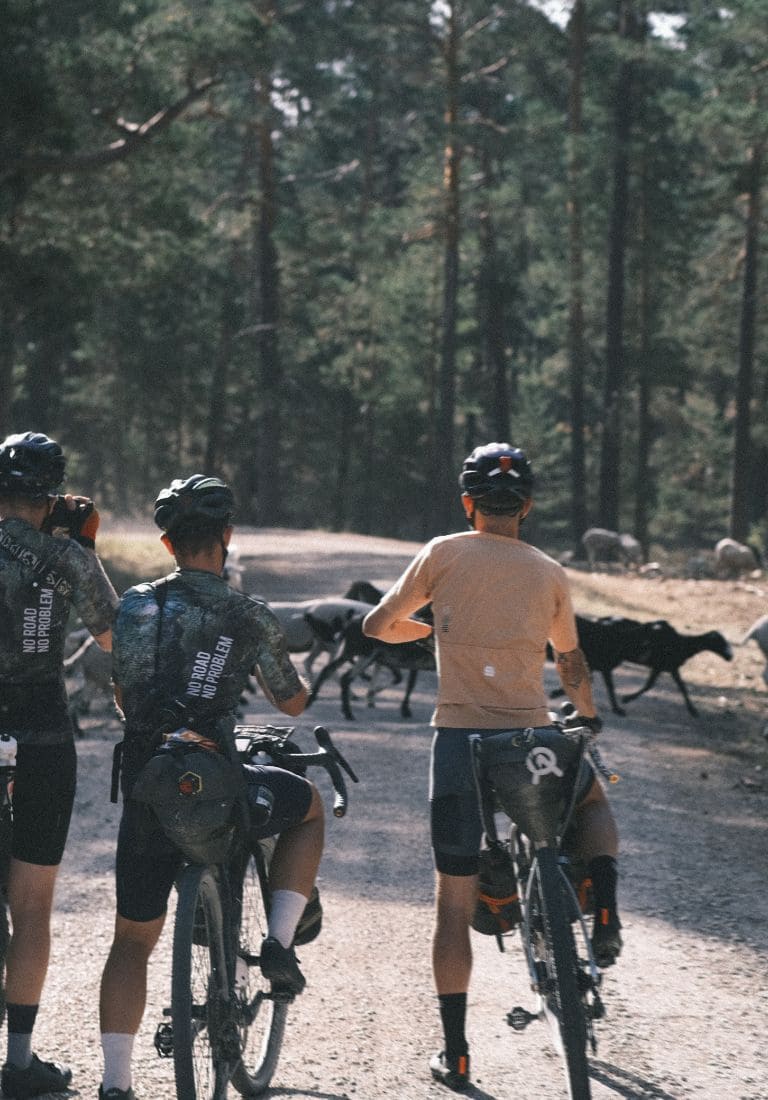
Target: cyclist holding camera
point(496, 602)
point(48, 567)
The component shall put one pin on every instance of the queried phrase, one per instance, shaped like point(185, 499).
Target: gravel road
point(686, 1005)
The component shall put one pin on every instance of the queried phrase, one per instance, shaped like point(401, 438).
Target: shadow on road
point(624, 1083)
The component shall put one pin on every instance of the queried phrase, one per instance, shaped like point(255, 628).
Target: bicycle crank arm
point(519, 1018)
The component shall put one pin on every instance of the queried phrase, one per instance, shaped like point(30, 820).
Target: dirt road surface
point(687, 1005)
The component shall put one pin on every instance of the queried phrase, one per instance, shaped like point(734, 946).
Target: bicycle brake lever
point(323, 738)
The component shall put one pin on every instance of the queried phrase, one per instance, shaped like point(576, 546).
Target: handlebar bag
point(195, 792)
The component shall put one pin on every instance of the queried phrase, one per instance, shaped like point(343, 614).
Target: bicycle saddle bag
point(531, 774)
point(194, 790)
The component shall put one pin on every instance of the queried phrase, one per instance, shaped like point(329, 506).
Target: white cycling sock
point(118, 1051)
point(285, 914)
point(19, 1049)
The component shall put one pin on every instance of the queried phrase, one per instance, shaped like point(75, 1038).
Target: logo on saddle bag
point(190, 783)
point(542, 761)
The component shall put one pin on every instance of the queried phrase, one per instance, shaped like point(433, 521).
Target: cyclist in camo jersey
point(42, 579)
point(184, 649)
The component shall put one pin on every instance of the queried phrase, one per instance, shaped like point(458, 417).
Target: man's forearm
point(378, 624)
point(574, 674)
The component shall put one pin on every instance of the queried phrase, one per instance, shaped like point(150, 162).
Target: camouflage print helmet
point(31, 465)
point(201, 498)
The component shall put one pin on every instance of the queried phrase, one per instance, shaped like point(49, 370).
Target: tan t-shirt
point(496, 602)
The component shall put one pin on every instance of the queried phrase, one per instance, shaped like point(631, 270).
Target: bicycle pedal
point(519, 1018)
point(164, 1040)
point(597, 1009)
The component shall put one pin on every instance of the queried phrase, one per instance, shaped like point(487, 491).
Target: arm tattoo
point(572, 668)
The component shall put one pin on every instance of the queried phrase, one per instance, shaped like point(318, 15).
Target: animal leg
point(653, 677)
point(608, 678)
point(679, 681)
point(356, 669)
point(405, 706)
point(322, 676)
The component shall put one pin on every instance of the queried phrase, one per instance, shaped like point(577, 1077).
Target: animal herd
point(728, 558)
point(332, 627)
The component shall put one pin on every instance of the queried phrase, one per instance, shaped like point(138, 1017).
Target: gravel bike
point(531, 777)
point(226, 1022)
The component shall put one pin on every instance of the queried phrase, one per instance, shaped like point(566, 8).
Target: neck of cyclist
point(32, 510)
point(209, 559)
point(509, 526)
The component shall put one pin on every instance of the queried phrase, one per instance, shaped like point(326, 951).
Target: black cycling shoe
point(116, 1094)
point(37, 1079)
point(606, 938)
point(453, 1072)
point(280, 966)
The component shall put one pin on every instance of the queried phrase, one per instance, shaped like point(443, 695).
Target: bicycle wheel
point(557, 963)
point(200, 1001)
point(6, 835)
point(261, 1021)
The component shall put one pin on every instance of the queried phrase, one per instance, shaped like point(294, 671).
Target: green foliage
point(132, 294)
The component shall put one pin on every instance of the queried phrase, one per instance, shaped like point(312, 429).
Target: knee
point(136, 939)
point(316, 811)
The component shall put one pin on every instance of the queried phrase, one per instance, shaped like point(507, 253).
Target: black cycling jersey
point(184, 648)
point(41, 580)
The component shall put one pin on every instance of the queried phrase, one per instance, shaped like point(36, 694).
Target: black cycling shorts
point(457, 827)
point(147, 862)
point(43, 796)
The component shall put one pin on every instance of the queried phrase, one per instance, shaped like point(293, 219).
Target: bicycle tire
point(200, 994)
point(6, 837)
point(563, 1005)
point(261, 1020)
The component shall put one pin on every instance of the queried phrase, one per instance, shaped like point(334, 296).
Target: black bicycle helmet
point(497, 474)
point(194, 498)
point(31, 465)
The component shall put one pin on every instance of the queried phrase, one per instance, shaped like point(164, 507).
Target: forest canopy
point(325, 247)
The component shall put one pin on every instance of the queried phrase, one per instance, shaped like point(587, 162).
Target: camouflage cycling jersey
point(41, 580)
point(184, 648)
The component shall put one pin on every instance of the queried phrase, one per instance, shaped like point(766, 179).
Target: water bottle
point(8, 747)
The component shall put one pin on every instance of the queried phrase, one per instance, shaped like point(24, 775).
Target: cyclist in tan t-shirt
point(496, 603)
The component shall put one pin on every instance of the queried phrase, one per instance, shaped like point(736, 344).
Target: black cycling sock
point(604, 873)
point(453, 1013)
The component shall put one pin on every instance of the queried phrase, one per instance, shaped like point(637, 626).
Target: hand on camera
point(75, 516)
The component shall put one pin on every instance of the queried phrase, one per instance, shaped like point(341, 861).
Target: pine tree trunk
point(742, 447)
point(610, 458)
point(492, 321)
point(576, 350)
point(270, 373)
point(444, 458)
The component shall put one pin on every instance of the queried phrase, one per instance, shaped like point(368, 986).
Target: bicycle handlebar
point(328, 757)
point(568, 723)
